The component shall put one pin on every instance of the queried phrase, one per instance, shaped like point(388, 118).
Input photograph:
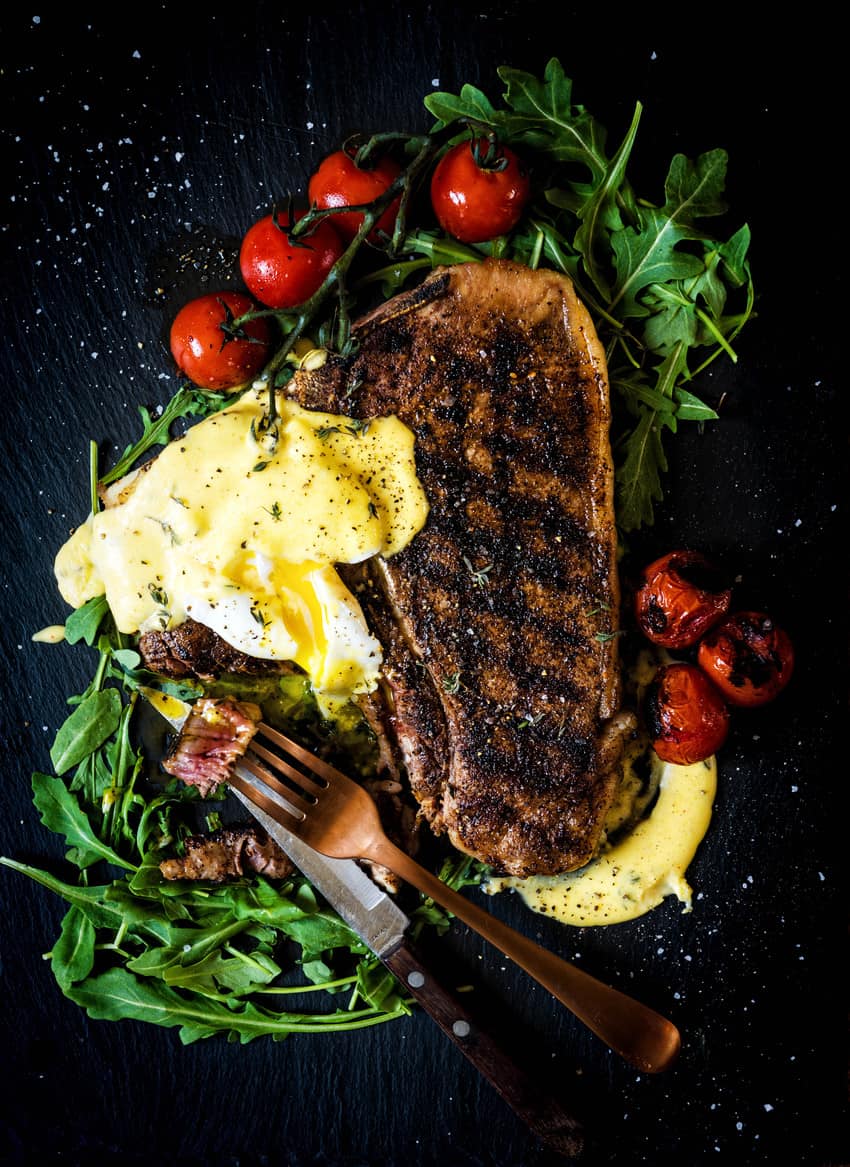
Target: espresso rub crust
point(501, 689)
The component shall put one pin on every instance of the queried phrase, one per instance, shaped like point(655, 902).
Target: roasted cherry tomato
point(748, 657)
point(210, 355)
point(680, 596)
point(340, 183)
point(687, 718)
point(282, 272)
point(479, 191)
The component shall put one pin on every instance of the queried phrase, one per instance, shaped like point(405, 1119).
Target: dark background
point(126, 134)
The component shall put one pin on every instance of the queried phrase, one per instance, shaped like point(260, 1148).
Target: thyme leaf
point(479, 574)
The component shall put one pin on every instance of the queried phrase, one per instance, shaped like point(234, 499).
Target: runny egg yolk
point(246, 540)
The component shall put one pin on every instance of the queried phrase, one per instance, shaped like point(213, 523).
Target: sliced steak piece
point(216, 733)
point(193, 650)
point(501, 689)
point(229, 853)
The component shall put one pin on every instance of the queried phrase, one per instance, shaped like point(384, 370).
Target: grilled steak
point(216, 733)
point(229, 853)
point(193, 650)
point(500, 690)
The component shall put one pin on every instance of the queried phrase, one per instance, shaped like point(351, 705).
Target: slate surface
point(127, 133)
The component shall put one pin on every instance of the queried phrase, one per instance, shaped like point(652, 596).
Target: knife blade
point(382, 925)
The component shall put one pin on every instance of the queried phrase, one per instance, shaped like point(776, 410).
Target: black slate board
point(125, 133)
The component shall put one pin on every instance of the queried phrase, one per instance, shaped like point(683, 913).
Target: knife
point(382, 925)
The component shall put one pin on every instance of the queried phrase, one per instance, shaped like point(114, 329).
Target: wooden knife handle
point(639, 1034)
point(541, 1113)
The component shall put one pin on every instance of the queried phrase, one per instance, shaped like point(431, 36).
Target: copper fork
point(333, 814)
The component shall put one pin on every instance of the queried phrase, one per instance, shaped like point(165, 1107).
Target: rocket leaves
point(658, 282)
point(92, 722)
point(651, 251)
point(206, 958)
point(187, 402)
point(62, 813)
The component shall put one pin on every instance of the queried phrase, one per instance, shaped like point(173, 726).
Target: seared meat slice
point(501, 687)
point(193, 650)
point(228, 853)
point(215, 734)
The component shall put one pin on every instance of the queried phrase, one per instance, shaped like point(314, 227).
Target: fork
point(337, 817)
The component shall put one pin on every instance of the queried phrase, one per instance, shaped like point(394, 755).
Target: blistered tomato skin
point(340, 183)
point(204, 351)
point(280, 272)
point(476, 202)
point(679, 597)
point(686, 716)
point(748, 657)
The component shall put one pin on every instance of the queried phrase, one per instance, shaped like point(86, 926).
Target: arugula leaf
point(237, 974)
point(471, 103)
point(90, 900)
point(91, 723)
point(599, 215)
point(72, 956)
point(188, 401)
point(542, 116)
point(118, 994)
point(650, 251)
point(377, 986)
point(639, 474)
point(61, 813)
point(84, 623)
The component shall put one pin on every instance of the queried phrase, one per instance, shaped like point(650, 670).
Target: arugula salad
point(254, 957)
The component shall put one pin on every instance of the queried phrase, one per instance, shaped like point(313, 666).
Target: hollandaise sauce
point(634, 875)
point(245, 539)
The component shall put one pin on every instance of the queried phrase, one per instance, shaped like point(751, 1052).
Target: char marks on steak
point(500, 689)
point(215, 734)
point(229, 853)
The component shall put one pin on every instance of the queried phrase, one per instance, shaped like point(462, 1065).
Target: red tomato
point(686, 716)
point(681, 595)
point(748, 658)
point(339, 183)
point(281, 272)
point(206, 353)
point(476, 200)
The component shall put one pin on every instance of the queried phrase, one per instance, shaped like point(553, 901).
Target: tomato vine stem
point(294, 324)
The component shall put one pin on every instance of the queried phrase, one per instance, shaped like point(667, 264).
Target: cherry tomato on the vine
point(748, 657)
point(210, 355)
point(282, 272)
point(687, 718)
point(479, 191)
point(340, 183)
point(680, 596)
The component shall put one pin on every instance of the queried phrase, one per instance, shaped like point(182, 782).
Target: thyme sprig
point(478, 574)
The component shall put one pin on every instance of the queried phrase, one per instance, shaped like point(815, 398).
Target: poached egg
point(246, 539)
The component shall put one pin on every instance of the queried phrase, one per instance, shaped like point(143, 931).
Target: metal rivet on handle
point(461, 1029)
point(416, 979)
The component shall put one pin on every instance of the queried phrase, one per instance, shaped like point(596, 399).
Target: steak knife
point(382, 925)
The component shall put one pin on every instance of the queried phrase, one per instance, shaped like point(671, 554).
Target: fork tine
point(317, 765)
point(271, 806)
point(305, 781)
point(293, 797)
